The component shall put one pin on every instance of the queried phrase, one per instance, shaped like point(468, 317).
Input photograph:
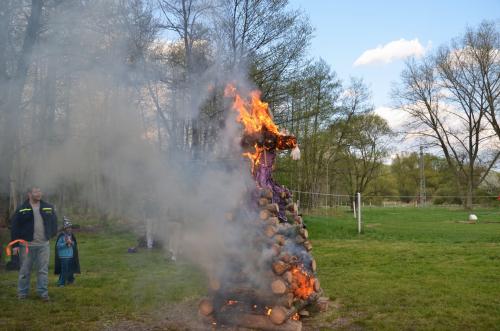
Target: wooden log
point(278, 315)
point(278, 286)
point(313, 265)
point(304, 233)
point(322, 304)
point(273, 208)
point(308, 245)
point(205, 307)
point(263, 202)
point(292, 207)
point(270, 230)
point(299, 240)
point(280, 239)
point(279, 267)
point(264, 214)
point(273, 221)
point(317, 285)
point(259, 322)
point(298, 220)
point(284, 195)
point(288, 277)
point(276, 248)
point(267, 193)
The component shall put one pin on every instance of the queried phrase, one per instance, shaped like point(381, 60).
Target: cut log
point(270, 231)
point(278, 315)
point(279, 267)
point(288, 277)
point(317, 286)
point(304, 233)
point(267, 193)
point(322, 304)
point(308, 245)
point(280, 239)
point(273, 208)
point(277, 249)
point(205, 307)
point(298, 219)
point(263, 202)
point(264, 214)
point(284, 195)
point(278, 286)
point(292, 207)
point(313, 265)
point(299, 240)
point(260, 322)
point(273, 221)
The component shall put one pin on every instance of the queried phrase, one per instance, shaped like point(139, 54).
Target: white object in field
point(296, 153)
point(472, 218)
point(149, 233)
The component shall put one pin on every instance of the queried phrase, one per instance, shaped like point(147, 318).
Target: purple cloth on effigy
point(263, 176)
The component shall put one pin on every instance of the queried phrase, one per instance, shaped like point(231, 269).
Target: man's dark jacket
point(75, 265)
point(23, 221)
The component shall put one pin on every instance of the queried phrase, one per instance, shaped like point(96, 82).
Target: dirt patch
point(184, 317)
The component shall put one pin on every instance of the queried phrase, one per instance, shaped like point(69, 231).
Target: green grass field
point(411, 269)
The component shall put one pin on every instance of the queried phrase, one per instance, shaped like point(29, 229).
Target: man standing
point(35, 221)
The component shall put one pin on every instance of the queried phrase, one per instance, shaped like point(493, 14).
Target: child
point(67, 262)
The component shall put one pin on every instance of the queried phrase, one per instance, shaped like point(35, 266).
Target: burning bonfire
point(273, 283)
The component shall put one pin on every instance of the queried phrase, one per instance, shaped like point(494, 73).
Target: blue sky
point(344, 30)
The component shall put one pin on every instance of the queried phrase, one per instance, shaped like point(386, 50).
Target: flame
point(254, 113)
point(232, 302)
point(295, 317)
point(302, 283)
point(269, 311)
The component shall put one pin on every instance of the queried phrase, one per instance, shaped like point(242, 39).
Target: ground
point(412, 269)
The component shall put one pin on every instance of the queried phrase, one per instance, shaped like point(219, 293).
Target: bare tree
point(447, 108)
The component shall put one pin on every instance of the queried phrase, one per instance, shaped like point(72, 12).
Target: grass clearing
point(412, 269)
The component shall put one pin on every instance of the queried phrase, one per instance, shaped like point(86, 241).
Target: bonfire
point(273, 283)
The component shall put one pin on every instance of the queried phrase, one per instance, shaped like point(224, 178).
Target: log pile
point(270, 283)
point(287, 273)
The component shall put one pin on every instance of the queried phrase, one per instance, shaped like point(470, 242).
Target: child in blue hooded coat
point(67, 262)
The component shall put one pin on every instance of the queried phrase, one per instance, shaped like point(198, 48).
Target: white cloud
point(395, 117)
point(394, 50)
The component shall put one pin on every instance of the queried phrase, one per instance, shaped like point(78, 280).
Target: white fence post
point(358, 202)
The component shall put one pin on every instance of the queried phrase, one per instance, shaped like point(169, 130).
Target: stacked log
point(277, 305)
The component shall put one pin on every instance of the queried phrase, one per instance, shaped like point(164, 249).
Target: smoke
point(92, 138)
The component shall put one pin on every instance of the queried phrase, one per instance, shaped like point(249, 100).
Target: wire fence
point(327, 204)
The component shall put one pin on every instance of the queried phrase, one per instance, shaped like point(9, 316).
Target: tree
point(363, 156)
point(447, 103)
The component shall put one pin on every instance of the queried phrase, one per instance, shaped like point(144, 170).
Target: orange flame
point(254, 113)
point(296, 317)
point(302, 283)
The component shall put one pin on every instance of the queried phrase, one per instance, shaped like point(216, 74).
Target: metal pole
point(358, 199)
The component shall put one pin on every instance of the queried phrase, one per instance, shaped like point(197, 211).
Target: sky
point(372, 39)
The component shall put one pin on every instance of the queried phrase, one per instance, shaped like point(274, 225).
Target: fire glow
point(303, 284)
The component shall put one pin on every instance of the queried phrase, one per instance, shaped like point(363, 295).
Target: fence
point(324, 204)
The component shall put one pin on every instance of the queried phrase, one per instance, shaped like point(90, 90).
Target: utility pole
point(422, 178)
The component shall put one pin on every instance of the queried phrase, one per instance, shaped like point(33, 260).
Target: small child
point(67, 262)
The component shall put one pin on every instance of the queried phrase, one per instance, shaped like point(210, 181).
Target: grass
point(411, 269)
point(114, 285)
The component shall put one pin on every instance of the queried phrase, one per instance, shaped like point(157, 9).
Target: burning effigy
point(273, 282)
